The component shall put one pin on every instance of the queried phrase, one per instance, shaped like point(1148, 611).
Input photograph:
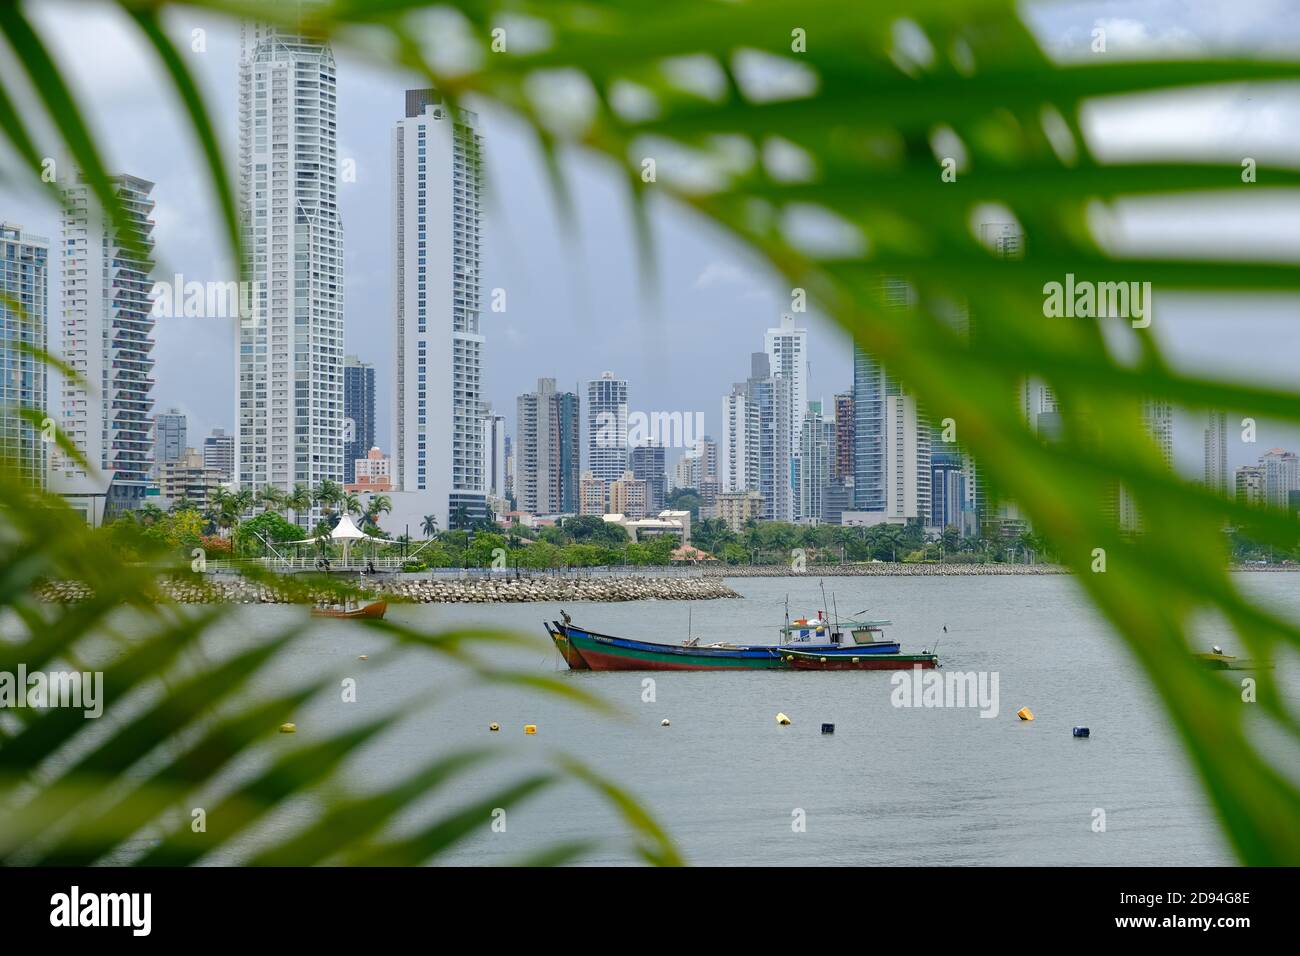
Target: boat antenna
point(689, 608)
point(836, 607)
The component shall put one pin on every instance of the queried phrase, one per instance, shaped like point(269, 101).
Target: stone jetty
point(228, 589)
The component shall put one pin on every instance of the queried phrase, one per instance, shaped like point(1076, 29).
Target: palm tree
point(327, 495)
point(350, 503)
point(378, 505)
point(183, 504)
point(430, 526)
point(298, 500)
point(271, 498)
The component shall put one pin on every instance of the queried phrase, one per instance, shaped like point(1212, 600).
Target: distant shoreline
point(892, 569)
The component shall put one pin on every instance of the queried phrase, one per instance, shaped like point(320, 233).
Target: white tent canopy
point(347, 532)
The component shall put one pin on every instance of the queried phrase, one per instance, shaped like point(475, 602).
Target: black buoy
point(1081, 732)
point(828, 728)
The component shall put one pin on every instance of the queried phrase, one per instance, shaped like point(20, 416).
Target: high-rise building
point(169, 436)
point(593, 495)
point(757, 453)
point(219, 453)
point(787, 353)
point(628, 496)
point(816, 462)
point(739, 454)
point(646, 462)
point(607, 445)
point(769, 407)
point(495, 442)
point(358, 413)
point(289, 417)
point(24, 321)
point(842, 466)
point(547, 454)
point(1281, 473)
point(1158, 419)
point(947, 488)
point(107, 340)
point(871, 386)
point(1217, 476)
point(187, 478)
point(1249, 483)
point(437, 394)
point(907, 460)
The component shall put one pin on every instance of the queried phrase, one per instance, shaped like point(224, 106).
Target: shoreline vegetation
point(691, 583)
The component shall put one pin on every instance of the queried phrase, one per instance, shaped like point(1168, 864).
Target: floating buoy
point(288, 728)
point(363, 657)
point(828, 728)
point(494, 726)
point(782, 719)
point(1024, 713)
point(530, 728)
point(664, 722)
point(1081, 732)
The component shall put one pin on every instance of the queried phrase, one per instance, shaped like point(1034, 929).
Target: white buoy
point(664, 722)
point(782, 719)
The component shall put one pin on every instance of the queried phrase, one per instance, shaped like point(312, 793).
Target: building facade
point(607, 444)
point(170, 436)
point(289, 413)
point(547, 451)
point(358, 413)
point(24, 321)
point(219, 453)
point(438, 393)
point(107, 339)
point(646, 462)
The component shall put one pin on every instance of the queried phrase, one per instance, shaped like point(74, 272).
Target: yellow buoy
point(1024, 713)
point(494, 726)
point(782, 719)
point(363, 657)
point(288, 728)
point(530, 728)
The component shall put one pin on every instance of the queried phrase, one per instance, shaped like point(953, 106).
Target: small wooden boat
point(813, 661)
point(374, 611)
point(1219, 661)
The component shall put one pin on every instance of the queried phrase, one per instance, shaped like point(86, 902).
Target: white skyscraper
point(494, 454)
point(107, 338)
point(607, 445)
point(907, 460)
point(438, 450)
point(787, 355)
point(1217, 477)
point(24, 282)
point(289, 418)
point(739, 452)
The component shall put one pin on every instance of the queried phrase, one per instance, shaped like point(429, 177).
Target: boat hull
point(566, 648)
point(373, 611)
point(801, 661)
point(586, 650)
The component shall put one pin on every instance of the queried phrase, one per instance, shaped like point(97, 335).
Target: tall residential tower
point(438, 452)
point(289, 416)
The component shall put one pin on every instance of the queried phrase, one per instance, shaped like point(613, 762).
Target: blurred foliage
point(815, 132)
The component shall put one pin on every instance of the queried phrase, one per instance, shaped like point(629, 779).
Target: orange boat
point(374, 610)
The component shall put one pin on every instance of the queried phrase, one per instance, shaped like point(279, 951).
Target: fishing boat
point(1215, 659)
point(562, 644)
point(583, 649)
point(373, 611)
point(814, 661)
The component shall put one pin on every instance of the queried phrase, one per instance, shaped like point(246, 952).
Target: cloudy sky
point(574, 308)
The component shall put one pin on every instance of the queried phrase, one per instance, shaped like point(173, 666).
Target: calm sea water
point(890, 786)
